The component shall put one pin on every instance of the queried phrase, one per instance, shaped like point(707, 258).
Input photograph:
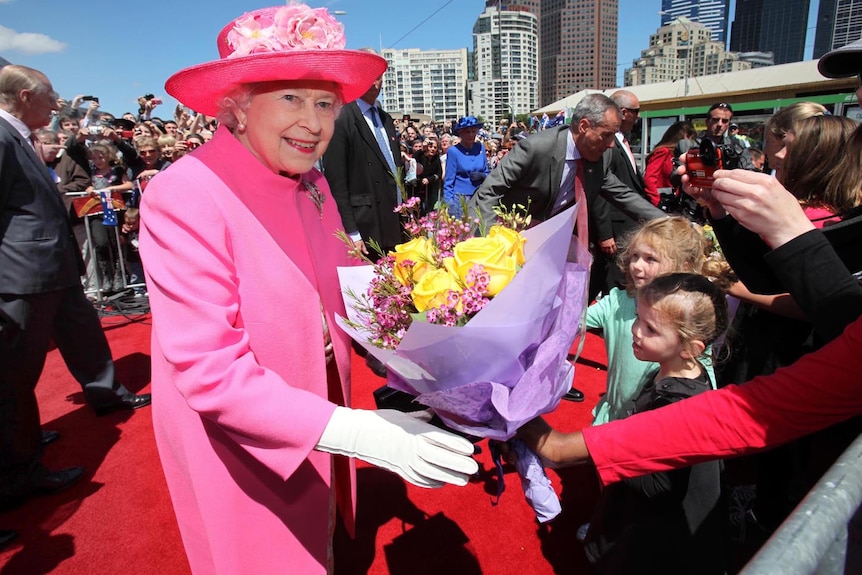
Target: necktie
point(380, 136)
point(631, 156)
point(581, 201)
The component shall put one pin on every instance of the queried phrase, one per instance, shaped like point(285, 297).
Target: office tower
point(432, 82)
point(681, 50)
point(578, 47)
point(506, 63)
point(839, 22)
point(776, 26)
point(713, 14)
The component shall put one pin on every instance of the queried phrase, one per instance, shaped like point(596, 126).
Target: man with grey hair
point(41, 297)
point(542, 168)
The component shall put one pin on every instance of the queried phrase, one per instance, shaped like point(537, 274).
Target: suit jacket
point(609, 221)
point(38, 251)
point(533, 170)
point(358, 175)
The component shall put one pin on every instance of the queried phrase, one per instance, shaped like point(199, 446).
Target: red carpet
point(119, 518)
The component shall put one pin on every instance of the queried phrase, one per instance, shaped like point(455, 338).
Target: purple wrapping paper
point(537, 486)
point(508, 364)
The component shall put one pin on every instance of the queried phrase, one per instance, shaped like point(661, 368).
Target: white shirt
point(18, 125)
point(628, 151)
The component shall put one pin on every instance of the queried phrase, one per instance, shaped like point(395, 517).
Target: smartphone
point(89, 99)
point(157, 101)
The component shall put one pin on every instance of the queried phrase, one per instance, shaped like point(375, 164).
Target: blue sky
point(118, 50)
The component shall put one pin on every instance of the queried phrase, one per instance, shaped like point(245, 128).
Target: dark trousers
point(27, 325)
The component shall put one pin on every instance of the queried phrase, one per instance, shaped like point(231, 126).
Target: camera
point(95, 130)
point(702, 162)
point(128, 134)
point(89, 99)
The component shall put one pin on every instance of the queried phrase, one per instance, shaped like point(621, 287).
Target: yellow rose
point(433, 289)
point(492, 254)
point(513, 239)
point(418, 250)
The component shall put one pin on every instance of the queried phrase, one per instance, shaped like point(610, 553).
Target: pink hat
point(292, 42)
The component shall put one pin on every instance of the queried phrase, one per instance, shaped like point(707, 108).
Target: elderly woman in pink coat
point(249, 383)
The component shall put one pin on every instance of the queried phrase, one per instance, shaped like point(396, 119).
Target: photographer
point(718, 120)
point(716, 142)
point(146, 104)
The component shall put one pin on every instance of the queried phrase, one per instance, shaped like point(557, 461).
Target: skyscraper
point(429, 82)
point(578, 47)
point(839, 22)
point(506, 62)
point(776, 26)
point(711, 13)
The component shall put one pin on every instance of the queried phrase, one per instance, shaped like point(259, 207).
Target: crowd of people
point(242, 426)
point(101, 164)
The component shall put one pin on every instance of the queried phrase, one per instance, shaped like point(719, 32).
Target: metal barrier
point(823, 535)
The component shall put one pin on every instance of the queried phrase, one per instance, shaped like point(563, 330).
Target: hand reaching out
point(761, 204)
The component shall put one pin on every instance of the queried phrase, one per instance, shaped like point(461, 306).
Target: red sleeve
point(657, 174)
point(821, 389)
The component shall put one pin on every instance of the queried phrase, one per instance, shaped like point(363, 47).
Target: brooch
point(313, 192)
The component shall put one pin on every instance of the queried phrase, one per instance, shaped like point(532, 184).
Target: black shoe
point(50, 437)
point(58, 480)
point(376, 365)
point(128, 401)
point(7, 537)
point(574, 395)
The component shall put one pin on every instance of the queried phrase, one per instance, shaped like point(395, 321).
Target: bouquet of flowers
point(479, 329)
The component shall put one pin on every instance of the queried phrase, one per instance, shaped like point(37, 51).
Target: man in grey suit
point(41, 297)
point(542, 168)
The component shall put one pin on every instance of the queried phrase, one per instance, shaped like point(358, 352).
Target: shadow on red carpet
point(119, 518)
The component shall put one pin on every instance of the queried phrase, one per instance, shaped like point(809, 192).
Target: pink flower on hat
point(297, 25)
point(293, 26)
point(249, 37)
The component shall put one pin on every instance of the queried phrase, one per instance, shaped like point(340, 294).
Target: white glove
point(417, 451)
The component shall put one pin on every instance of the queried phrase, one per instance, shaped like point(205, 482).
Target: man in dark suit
point(610, 224)
point(40, 294)
point(361, 166)
point(542, 168)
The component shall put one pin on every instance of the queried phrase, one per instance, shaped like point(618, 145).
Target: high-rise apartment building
point(681, 50)
point(713, 14)
point(776, 26)
point(839, 22)
point(506, 62)
point(432, 82)
point(578, 47)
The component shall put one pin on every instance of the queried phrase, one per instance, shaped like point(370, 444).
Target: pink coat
point(238, 261)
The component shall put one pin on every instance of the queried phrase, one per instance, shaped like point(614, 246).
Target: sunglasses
point(721, 105)
point(635, 111)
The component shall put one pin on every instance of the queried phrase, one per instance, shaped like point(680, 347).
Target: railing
point(823, 535)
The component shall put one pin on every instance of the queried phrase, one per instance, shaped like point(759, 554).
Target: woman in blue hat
point(466, 165)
